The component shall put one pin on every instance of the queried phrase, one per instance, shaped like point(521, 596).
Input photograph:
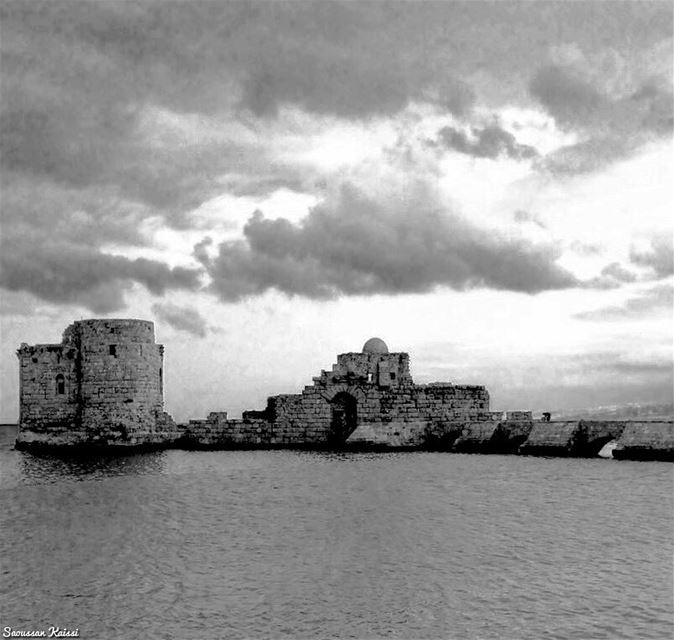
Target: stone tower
point(101, 385)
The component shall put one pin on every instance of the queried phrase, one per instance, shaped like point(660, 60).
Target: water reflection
point(51, 468)
point(332, 455)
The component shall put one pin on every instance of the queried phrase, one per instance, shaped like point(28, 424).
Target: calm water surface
point(312, 545)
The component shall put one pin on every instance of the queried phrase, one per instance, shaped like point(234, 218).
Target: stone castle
point(103, 383)
point(102, 386)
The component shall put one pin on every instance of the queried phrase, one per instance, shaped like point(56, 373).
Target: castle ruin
point(101, 384)
point(368, 389)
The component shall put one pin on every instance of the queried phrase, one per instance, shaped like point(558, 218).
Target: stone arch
point(344, 417)
point(354, 391)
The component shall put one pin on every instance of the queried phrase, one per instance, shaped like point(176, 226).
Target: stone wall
point(475, 437)
point(122, 371)
point(101, 385)
point(646, 440)
point(388, 435)
point(48, 387)
point(594, 434)
point(359, 389)
point(510, 435)
point(635, 440)
point(582, 438)
point(639, 440)
point(557, 438)
point(218, 432)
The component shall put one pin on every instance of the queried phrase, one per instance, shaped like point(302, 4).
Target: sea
point(295, 544)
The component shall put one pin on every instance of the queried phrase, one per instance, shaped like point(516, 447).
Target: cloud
point(19, 303)
point(525, 216)
point(660, 258)
point(116, 114)
point(73, 274)
point(352, 245)
point(92, 94)
point(568, 98)
point(181, 318)
point(82, 81)
point(618, 365)
point(576, 102)
point(53, 240)
point(658, 298)
point(611, 118)
point(560, 380)
point(585, 157)
point(489, 142)
point(616, 271)
point(611, 276)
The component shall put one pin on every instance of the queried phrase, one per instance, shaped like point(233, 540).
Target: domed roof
point(375, 345)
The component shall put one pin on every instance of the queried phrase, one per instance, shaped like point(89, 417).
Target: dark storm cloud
point(83, 86)
point(570, 100)
point(611, 127)
point(658, 298)
point(78, 76)
point(74, 274)
point(660, 257)
point(358, 59)
point(181, 318)
point(355, 246)
point(84, 158)
point(52, 247)
point(49, 212)
point(575, 103)
point(489, 142)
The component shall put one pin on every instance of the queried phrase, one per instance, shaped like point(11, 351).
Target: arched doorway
point(344, 417)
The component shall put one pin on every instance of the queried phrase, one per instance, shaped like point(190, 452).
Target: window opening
point(60, 384)
point(113, 350)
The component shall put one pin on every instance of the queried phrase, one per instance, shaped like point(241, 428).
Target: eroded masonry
point(102, 386)
point(370, 387)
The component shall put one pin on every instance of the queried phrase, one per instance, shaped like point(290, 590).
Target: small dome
point(375, 345)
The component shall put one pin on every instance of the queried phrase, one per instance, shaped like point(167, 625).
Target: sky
point(484, 185)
